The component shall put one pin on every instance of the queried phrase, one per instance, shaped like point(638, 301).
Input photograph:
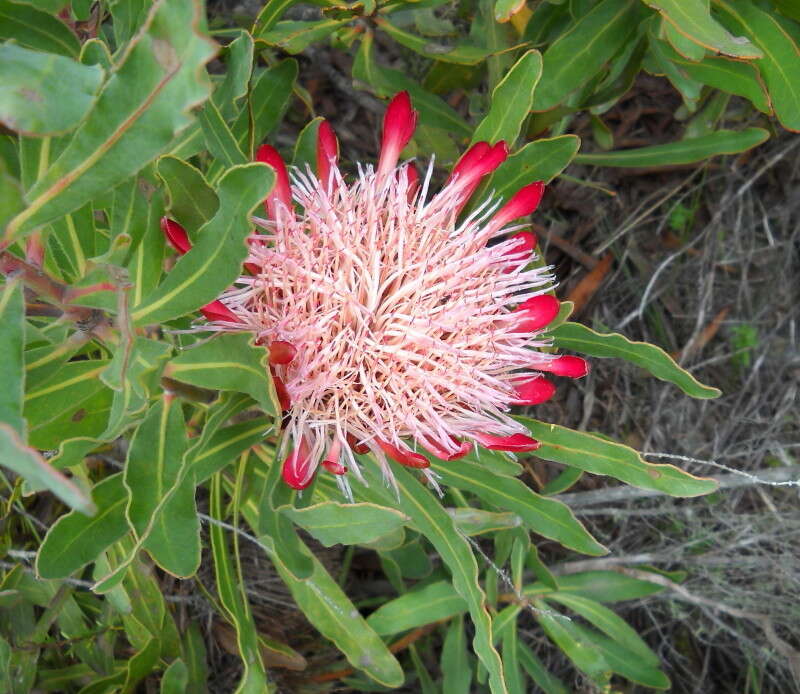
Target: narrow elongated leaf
point(29, 465)
point(348, 524)
point(40, 31)
point(693, 19)
point(227, 362)
point(141, 108)
point(580, 53)
point(541, 160)
point(73, 238)
point(475, 521)
point(270, 14)
point(269, 99)
point(192, 202)
point(169, 527)
point(273, 495)
point(72, 403)
point(43, 93)
point(75, 539)
point(327, 607)
point(455, 664)
point(579, 647)
point(683, 152)
point(620, 660)
point(12, 343)
point(175, 678)
point(386, 82)
point(544, 516)
point(432, 603)
point(460, 54)
point(239, 67)
point(511, 101)
point(219, 138)
point(780, 64)
point(733, 76)
point(574, 336)
point(438, 527)
point(215, 261)
point(607, 621)
point(231, 592)
point(295, 37)
point(536, 670)
point(601, 586)
point(227, 445)
point(601, 457)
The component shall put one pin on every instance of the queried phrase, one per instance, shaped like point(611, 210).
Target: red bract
point(393, 321)
point(536, 313)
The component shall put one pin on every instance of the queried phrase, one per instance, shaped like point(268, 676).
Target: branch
point(762, 620)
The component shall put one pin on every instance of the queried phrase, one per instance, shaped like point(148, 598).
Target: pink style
point(395, 324)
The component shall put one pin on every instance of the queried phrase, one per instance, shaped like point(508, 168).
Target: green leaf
point(455, 663)
point(693, 19)
point(511, 101)
point(601, 586)
point(193, 652)
point(269, 99)
point(438, 527)
point(12, 344)
point(141, 108)
point(73, 239)
point(11, 196)
point(607, 621)
point(28, 464)
point(72, 403)
point(231, 590)
point(578, 338)
point(128, 15)
point(475, 521)
point(432, 603)
point(270, 14)
point(227, 445)
point(219, 138)
point(226, 362)
point(539, 673)
point(295, 37)
point(305, 146)
point(239, 65)
point(387, 82)
point(682, 152)
point(43, 93)
point(40, 31)
point(75, 539)
point(579, 647)
point(175, 678)
point(215, 261)
point(334, 523)
point(601, 457)
point(731, 76)
point(191, 201)
point(780, 64)
point(547, 517)
point(326, 606)
point(132, 374)
point(580, 53)
point(541, 160)
point(168, 526)
point(460, 54)
point(273, 494)
point(621, 661)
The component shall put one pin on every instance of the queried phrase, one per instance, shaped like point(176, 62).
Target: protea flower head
point(395, 324)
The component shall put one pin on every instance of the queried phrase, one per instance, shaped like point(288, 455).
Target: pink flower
point(394, 323)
